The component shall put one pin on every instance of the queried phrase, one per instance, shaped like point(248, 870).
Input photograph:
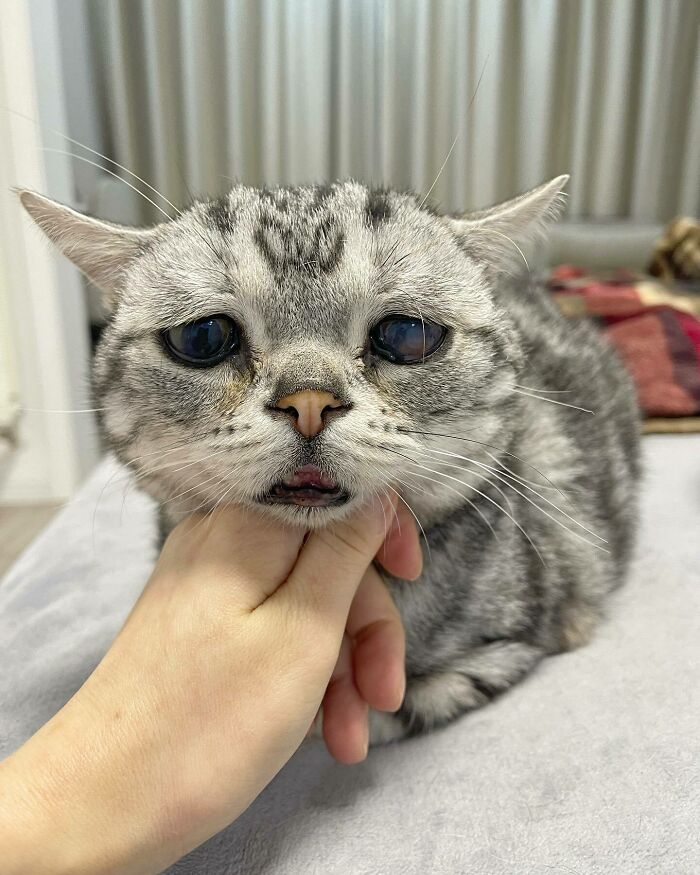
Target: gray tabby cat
point(302, 349)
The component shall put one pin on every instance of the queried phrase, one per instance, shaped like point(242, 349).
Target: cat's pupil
point(203, 343)
point(206, 338)
point(406, 340)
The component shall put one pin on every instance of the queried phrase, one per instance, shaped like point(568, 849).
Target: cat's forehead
point(294, 254)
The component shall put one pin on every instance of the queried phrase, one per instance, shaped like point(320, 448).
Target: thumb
point(332, 562)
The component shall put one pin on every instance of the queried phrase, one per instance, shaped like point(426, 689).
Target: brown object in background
point(677, 254)
point(655, 330)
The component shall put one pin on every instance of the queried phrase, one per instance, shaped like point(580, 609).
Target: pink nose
point(308, 409)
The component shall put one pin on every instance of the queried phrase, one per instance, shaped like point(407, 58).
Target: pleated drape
point(191, 94)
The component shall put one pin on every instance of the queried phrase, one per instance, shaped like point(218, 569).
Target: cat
point(302, 349)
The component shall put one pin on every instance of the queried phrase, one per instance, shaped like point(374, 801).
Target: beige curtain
point(193, 93)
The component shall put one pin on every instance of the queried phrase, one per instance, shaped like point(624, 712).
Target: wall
point(42, 299)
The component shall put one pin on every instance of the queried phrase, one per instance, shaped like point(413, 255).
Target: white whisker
point(95, 152)
point(483, 495)
point(552, 401)
point(458, 134)
point(111, 173)
point(544, 391)
point(455, 437)
point(542, 497)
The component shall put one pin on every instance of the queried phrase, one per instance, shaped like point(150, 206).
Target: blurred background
point(474, 100)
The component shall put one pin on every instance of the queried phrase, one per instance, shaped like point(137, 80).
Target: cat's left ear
point(101, 250)
point(498, 235)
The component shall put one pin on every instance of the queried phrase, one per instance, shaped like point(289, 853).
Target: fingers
point(345, 729)
point(401, 554)
point(379, 644)
point(330, 566)
point(234, 549)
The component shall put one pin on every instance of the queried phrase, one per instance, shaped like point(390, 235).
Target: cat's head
point(292, 349)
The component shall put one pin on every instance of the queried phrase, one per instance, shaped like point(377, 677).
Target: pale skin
point(244, 629)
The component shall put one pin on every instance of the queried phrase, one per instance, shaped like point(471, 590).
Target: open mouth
point(307, 487)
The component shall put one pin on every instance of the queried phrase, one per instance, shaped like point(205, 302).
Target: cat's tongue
point(309, 476)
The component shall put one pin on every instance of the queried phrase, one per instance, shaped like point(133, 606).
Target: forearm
point(114, 785)
point(69, 803)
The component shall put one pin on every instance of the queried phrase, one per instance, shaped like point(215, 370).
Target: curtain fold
point(194, 94)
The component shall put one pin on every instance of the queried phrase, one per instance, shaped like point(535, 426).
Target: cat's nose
point(309, 410)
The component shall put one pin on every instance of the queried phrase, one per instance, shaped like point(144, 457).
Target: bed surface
point(592, 765)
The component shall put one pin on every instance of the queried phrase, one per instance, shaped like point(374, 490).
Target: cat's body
point(487, 608)
point(234, 318)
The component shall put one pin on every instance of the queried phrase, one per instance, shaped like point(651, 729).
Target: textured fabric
point(589, 767)
point(654, 327)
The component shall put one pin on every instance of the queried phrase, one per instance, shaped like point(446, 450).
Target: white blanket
point(590, 766)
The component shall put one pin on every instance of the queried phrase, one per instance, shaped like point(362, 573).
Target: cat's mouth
point(307, 487)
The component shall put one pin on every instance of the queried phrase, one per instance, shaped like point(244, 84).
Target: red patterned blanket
point(655, 328)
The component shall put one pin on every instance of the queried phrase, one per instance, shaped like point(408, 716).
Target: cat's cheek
point(233, 394)
point(391, 393)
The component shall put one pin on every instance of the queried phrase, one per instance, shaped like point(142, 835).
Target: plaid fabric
point(655, 328)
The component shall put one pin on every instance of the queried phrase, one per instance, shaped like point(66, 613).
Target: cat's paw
point(578, 623)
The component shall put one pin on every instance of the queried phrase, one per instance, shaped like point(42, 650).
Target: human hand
point(206, 692)
point(370, 668)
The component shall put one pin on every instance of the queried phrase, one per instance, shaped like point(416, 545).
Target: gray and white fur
point(528, 506)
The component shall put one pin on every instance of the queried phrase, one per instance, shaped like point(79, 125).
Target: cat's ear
point(99, 249)
point(499, 234)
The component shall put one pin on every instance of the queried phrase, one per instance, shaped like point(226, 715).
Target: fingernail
point(401, 691)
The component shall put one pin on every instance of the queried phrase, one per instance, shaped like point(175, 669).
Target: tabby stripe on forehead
point(378, 209)
point(329, 244)
point(321, 195)
point(221, 215)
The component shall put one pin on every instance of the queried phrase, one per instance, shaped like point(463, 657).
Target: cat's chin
point(308, 490)
point(300, 496)
point(308, 516)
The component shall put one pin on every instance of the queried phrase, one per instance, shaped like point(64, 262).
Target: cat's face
point(291, 349)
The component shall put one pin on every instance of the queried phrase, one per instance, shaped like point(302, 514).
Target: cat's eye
point(406, 340)
point(203, 343)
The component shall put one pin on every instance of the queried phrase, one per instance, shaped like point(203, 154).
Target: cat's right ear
point(101, 250)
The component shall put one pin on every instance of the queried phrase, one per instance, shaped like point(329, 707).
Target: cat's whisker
point(169, 465)
point(544, 391)
point(552, 401)
point(474, 489)
point(510, 473)
point(218, 506)
point(483, 495)
point(455, 437)
point(95, 152)
point(503, 469)
point(495, 486)
point(388, 256)
point(51, 410)
point(461, 495)
point(510, 240)
point(545, 513)
point(194, 488)
point(415, 517)
point(458, 134)
point(171, 448)
point(111, 173)
point(497, 474)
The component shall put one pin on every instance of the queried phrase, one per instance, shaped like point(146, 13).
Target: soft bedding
point(589, 767)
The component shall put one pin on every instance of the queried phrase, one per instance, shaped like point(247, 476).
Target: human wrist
point(57, 812)
point(31, 835)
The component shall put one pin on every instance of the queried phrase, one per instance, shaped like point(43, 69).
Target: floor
point(19, 525)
